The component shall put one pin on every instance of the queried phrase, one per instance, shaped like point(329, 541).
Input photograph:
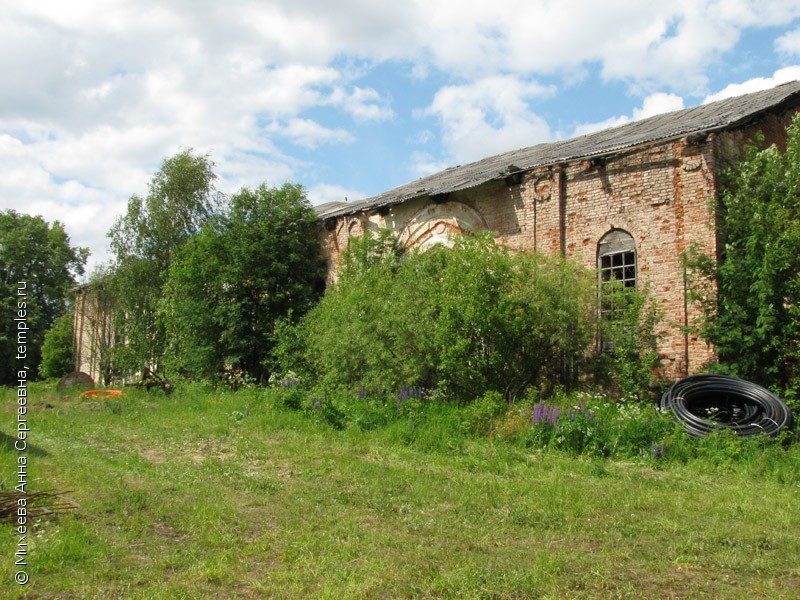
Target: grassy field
point(223, 495)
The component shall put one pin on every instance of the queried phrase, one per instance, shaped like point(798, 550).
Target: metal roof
point(329, 207)
point(723, 114)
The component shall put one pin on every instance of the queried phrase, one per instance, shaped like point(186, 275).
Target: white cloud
point(310, 134)
point(322, 193)
point(363, 104)
point(645, 44)
point(488, 116)
point(652, 105)
point(756, 84)
point(789, 43)
point(420, 137)
point(423, 163)
point(95, 93)
point(656, 104)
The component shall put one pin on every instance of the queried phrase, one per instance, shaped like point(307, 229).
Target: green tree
point(144, 241)
point(57, 350)
point(40, 255)
point(237, 278)
point(755, 322)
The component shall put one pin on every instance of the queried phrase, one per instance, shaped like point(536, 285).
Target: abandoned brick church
point(627, 201)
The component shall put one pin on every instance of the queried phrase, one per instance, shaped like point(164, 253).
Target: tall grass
point(210, 493)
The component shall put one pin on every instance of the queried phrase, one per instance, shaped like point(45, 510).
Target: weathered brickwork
point(662, 194)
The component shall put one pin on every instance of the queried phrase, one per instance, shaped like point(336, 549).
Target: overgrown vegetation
point(57, 350)
point(144, 243)
point(213, 493)
point(630, 332)
point(233, 281)
point(457, 322)
point(753, 319)
point(39, 255)
point(200, 281)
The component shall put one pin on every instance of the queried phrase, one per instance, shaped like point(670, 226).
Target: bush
point(463, 321)
point(583, 423)
point(238, 280)
point(629, 333)
point(57, 355)
point(751, 291)
point(479, 417)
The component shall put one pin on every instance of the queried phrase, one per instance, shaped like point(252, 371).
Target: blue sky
point(348, 98)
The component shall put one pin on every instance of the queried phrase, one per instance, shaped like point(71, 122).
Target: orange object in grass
point(102, 393)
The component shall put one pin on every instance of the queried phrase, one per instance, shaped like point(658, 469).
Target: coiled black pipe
point(707, 402)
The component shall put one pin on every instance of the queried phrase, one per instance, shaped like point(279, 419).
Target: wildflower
point(318, 403)
point(555, 413)
point(539, 411)
point(408, 393)
point(658, 451)
point(545, 415)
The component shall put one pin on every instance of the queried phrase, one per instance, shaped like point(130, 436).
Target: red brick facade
point(661, 193)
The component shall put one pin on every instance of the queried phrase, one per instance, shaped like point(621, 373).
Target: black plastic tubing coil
point(707, 402)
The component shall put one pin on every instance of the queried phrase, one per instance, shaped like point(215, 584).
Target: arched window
point(616, 273)
point(616, 259)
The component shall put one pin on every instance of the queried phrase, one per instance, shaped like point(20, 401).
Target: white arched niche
point(440, 224)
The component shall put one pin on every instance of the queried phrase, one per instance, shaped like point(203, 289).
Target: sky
point(348, 98)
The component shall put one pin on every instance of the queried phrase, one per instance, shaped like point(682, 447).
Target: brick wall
point(661, 194)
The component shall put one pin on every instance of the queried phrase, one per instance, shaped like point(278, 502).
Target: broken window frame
point(617, 271)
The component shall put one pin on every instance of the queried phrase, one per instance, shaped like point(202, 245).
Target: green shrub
point(592, 424)
point(288, 392)
point(327, 409)
point(461, 321)
point(750, 289)
point(57, 358)
point(479, 417)
point(630, 337)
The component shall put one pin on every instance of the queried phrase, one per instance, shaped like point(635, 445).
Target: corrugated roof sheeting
point(708, 117)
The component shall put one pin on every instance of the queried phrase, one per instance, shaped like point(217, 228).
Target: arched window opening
point(616, 259)
point(616, 266)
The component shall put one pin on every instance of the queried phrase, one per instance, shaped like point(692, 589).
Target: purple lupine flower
point(545, 415)
point(538, 417)
point(658, 451)
point(408, 393)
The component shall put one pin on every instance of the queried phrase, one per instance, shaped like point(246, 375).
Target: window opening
point(616, 265)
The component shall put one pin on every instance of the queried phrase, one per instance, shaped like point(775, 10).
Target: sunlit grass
point(216, 494)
